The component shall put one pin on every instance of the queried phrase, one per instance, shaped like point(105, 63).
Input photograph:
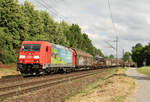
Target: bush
point(7, 58)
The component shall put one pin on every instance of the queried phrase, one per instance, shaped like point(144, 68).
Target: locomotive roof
point(33, 42)
point(59, 46)
point(78, 52)
point(52, 44)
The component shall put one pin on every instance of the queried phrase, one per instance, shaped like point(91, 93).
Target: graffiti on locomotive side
point(54, 50)
point(60, 56)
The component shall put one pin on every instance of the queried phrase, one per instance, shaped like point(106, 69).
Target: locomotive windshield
point(31, 47)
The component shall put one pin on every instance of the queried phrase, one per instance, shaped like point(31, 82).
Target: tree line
point(19, 22)
point(141, 54)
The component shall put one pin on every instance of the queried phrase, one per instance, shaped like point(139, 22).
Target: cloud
point(147, 18)
point(84, 27)
point(131, 19)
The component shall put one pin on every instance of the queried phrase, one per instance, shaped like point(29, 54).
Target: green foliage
point(144, 70)
point(127, 56)
point(106, 57)
point(111, 56)
point(22, 22)
point(137, 54)
point(141, 54)
point(147, 54)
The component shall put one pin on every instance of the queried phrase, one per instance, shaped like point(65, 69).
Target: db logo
point(29, 56)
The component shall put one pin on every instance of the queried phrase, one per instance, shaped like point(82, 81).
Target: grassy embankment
point(6, 70)
point(144, 70)
point(114, 88)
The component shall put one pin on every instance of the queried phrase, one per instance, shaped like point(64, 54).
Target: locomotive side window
point(31, 47)
point(46, 48)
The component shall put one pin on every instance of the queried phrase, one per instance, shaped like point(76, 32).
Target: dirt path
point(143, 86)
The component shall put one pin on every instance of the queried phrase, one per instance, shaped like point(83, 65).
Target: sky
point(131, 20)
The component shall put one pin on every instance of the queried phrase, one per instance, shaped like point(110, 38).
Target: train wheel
point(61, 71)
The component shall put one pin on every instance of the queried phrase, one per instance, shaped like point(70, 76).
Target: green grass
point(8, 71)
point(118, 99)
point(132, 85)
point(144, 70)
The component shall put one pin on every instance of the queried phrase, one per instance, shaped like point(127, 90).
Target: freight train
point(43, 57)
point(40, 57)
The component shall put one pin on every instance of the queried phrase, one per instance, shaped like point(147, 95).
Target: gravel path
point(143, 86)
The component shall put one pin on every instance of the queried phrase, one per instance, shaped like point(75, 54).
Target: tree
point(147, 54)
point(111, 56)
point(19, 22)
point(138, 54)
point(126, 56)
point(34, 21)
point(13, 23)
point(75, 36)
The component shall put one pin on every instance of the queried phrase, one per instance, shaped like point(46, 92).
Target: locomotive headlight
point(36, 57)
point(36, 61)
point(21, 61)
point(22, 56)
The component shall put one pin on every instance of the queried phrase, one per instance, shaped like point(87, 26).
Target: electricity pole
point(115, 30)
point(123, 58)
point(116, 50)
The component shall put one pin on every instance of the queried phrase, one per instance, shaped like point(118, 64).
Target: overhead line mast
point(117, 48)
point(115, 30)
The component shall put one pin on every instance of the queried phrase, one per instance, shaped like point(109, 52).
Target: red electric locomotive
point(39, 57)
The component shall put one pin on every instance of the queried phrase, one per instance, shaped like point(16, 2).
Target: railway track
point(21, 88)
point(10, 78)
point(17, 78)
point(36, 81)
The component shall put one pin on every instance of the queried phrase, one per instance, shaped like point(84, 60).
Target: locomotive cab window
point(31, 47)
point(46, 48)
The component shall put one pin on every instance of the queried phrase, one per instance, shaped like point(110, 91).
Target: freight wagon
point(82, 59)
point(40, 57)
point(102, 62)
